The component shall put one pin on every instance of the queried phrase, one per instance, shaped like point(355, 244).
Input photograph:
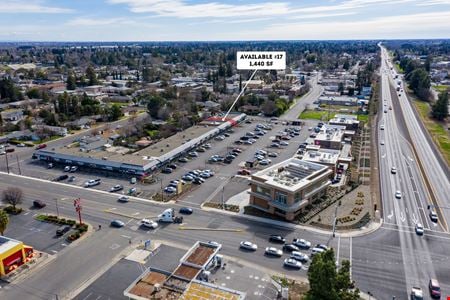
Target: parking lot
point(40, 235)
point(223, 171)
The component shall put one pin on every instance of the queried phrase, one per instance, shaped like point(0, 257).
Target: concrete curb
point(373, 226)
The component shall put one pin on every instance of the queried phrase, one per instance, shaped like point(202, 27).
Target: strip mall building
point(13, 254)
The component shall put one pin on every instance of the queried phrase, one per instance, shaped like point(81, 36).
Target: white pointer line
point(240, 94)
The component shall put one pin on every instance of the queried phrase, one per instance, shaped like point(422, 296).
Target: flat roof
point(187, 272)
point(204, 291)
point(7, 243)
point(201, 255)
point(292, 174)
point(334, 133)
point(323, 156)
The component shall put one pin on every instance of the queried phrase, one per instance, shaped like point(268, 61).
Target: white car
point(273, 251)
point(290, 262)
point(66, 168)
point(299, 256)
point(123, 199)
point(381, 127)
point(284, 143)
point(301, 243)
point(419, 229)
point(398, 194)
point(248, 245)
point(382, 143)
point(149, 223)
point(394, 170)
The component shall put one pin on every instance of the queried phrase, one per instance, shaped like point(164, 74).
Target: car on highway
point(301, 243)
point(433, 216)
point(38, 204)
point(290, 248)
point(41, 146)
point(149, 223)
point(394, 170)
point(398, 194)
point(382, 143)
point(416, 293)
point(381, 127)
point(297, 255)
point(272, 251)
point(117, 223)
point(186, 211)
point(123, 199)
point(92, 182)
point(116, 188)
point(390, 107)
point(276, 238)
point(419, 229)
point(292, 263)
point(434, 288)
point(213, 243)
point(248, 246)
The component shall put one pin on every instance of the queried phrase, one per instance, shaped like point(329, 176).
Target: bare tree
point(12, 196)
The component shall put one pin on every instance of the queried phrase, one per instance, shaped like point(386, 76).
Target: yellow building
point(13, 253)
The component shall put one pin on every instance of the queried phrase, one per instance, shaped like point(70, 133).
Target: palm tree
point(4, 220)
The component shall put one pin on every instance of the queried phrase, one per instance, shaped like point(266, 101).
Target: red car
point(41, 146)
point(435, 289)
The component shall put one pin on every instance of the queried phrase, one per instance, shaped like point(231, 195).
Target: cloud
point(434, 2)
point(181, 9)
point(30, 6)
point(322, 15)
point(84, 21)
point(432, 25)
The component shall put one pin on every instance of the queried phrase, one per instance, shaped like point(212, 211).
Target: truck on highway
point(168, 216)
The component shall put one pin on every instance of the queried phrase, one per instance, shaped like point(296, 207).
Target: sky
point(213, 20)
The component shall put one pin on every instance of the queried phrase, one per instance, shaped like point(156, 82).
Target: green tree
point(328, 284)
point(419, 82)
point(341, 88)
point(91, 76)
point(154, 103)
point(4, 220)
point(439, 110)
point(33, 93)
point(71, 82)
point(115, 112)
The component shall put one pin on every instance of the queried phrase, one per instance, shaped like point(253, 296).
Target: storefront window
point(281, 197)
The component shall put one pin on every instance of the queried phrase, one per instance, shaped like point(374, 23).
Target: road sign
point(147, 244)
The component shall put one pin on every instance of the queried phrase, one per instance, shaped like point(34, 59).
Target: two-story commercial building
point(286, 188)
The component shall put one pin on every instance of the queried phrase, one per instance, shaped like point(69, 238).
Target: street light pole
point(335, 221)
point(57, 210)
point(7, 163)
point(223, 199)
point(18, 164)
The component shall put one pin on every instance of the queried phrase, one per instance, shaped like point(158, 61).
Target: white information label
point(261, 60)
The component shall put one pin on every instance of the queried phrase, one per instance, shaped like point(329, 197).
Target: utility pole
point(162, 192)
point(57, 210)
point(223, 200)
point(18, 164)
point(7, 164)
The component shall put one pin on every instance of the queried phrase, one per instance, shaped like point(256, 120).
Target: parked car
point(183, 160)
point(73, 169)
point(200, 149)
point(248, 245)
point(116, 188)
point(92, 182)
point(62, 230)
point(272, 154)
point(149, 223)
point(273, 251)
point(186, 210)
point(244, 172)
point(193, 154)
point(292, 263)
point(39, 204)
point(123, 199)
point(172, 166)
point(322, 246)
point(61, 177)
point(117, 223)
point(66, 168)
point(275, 238)
point(50, 166)
point(315, 251)
point(169, 189)
point(166, 170)
point(71, 178)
